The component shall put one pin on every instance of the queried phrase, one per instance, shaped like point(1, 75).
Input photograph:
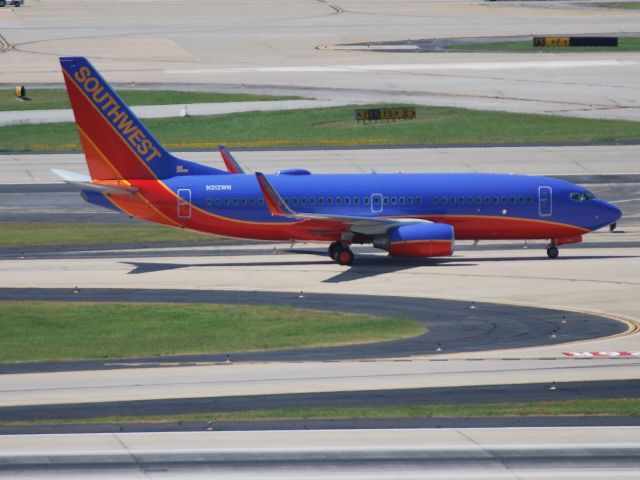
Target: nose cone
point(607, 214)
point(614, 212)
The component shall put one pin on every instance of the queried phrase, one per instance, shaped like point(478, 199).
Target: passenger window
point(235, 202)
point(218, 202)
point(338, 201)
point(504, 200)
point(436, 200)
point(394, 200)
point(461, 201)
point(295, 200)
point(530, 200)
point(469, 200)
point(410, 200)
point(444, 200)
point(478, 200)
point(512, 200)
point(401, 200)
point(227, 202)
point(487, 200)
point(453, 200)
point(252, 202)
point(312, 200)
point(356, 200)
point(521, 200)
point(209, 201)
point(303, 201)
point(243, 202)
point(418, 200)
point(496, 200)
point(367, 200)
point(385, 200)
point(321, 201)
point(261, 201)
point(347, 200)
point(329, 200)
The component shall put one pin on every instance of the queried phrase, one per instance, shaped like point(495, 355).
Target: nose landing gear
point(341, 253)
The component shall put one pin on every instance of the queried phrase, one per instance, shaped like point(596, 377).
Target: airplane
point(408, 215)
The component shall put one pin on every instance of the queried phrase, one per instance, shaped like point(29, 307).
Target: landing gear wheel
point(345, 256)
point(553, 251)
point(333, 250)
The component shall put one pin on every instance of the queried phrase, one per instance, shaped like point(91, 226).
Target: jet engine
point(417, 240)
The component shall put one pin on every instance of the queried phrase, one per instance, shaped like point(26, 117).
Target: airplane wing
point(85, 182)
point(356, 224)
point(232, 164)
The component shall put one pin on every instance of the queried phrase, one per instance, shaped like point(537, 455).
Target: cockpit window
point(582, 196)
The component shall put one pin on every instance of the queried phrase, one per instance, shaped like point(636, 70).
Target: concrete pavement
point(16, 117)
point(522, 453)
point(267, 47)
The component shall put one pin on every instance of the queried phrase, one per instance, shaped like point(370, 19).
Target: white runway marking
point(474, 66)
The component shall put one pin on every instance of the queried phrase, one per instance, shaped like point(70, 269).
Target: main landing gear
point(552, 251)
point(341, 253)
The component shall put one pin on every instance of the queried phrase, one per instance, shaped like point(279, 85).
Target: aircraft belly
point(497, 228)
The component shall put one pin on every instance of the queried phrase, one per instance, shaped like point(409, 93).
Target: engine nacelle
point(417, 240)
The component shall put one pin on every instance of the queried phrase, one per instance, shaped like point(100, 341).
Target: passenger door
point(545, 201)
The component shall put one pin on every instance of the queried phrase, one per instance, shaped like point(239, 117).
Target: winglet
point(232, 164)
point(277, 206)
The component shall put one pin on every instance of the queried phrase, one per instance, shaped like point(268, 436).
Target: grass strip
point(597, 407)
point(621, 5)
point(335, 126)
point(625, 44)
point(56, 98)
point(34, 234)
point(39, 331)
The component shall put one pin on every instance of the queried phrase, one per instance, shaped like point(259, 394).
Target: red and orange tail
point(116, 144)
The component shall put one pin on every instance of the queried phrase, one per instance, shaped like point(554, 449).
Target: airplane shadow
point(365, 266)
point(149, 267)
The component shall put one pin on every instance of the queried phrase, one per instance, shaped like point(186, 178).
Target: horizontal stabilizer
point(85, 183)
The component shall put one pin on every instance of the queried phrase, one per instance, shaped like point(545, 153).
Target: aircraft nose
point(609, 213)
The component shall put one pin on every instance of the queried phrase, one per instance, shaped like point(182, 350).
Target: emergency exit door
point(184, 203)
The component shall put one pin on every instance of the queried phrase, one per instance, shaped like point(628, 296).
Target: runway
point(372, 454)
point(268, 48)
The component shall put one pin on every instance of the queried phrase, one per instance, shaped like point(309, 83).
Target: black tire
point(613, 226)
point(333, 250)
point(553, 252)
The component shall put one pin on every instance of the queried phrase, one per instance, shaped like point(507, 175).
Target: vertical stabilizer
point(116, 144)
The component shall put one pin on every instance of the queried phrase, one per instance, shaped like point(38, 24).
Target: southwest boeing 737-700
point(408, 215)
